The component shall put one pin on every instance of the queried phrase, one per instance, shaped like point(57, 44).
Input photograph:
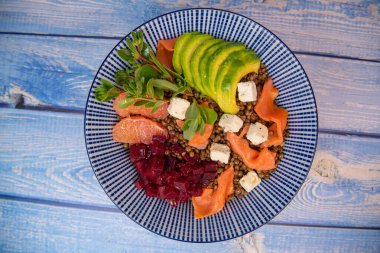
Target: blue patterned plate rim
point(191, 9)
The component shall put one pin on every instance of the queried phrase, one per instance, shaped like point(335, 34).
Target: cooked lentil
point(246, 113)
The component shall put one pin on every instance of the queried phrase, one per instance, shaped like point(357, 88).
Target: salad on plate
point(199, 118)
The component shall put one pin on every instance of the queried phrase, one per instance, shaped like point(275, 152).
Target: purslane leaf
point(189, 128)
point(196, 118)
point(145, 50)
point(157, 106)
point(131, 47)
point(121, 77)
point(202, 128)
point(185, 125)
point(150, 89)
point(203, 114)
point(124, 54)
point(192, 112)
point(139, 87)
point(159, 93)
point(181, 90)
point(124, 103)
point(193, 126)
point(141, 102)
point(128, 89)
point(212, 116)
point(147, 72)
point(188, 134)
point(106, 91)
point(149, 104)
point(164, 84)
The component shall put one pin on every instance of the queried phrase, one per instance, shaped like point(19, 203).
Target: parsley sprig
point(197, 117)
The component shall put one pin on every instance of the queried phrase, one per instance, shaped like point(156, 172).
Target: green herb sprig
point(138, 52)
point(197, 117)
point(106, 91)
point(146, 81)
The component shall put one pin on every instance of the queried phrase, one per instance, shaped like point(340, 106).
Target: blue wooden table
point(50, 200)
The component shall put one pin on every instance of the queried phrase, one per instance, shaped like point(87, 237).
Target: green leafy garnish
point(197, 117)
point(181, 90)
point(124, 103)
point(146, 72)
point(106, 91)
point(211, 115)
point(146, 81)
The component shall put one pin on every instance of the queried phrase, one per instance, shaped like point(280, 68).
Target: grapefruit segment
point(137, 129)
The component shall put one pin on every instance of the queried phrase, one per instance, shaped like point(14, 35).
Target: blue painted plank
point(55, 71)
point(42, 156)
point(349, 28)
point(58, 72)
point(28, 227)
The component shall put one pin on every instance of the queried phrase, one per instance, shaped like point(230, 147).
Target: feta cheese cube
point(257, 133)
point(230, 123)
point(178, 107)
point(250, 181)
point(220, 152)
point(247, 91)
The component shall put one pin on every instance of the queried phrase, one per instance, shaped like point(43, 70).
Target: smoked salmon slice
point(165, 50)
point(161, 113)
point(137, 129)
point(212, 202)
point(199, 141)
point(273, 138)
point(253, 159)
point(267, 110)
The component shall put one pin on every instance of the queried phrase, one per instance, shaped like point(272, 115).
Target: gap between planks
point(118, 38)
point(116, 210)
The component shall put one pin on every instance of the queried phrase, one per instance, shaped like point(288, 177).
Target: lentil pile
point(246, 113)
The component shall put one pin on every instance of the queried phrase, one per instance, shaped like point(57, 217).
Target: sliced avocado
point(229, 74)
point(196, 58)
point(178, 50)
point(202, 68)
point(216, 61)
point(188, 50)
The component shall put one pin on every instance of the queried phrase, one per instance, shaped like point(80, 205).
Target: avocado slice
point(195, 60)
point(178, 50)
point(229, 74)
point(202, 68)
point(188, 50)
point(216, 61)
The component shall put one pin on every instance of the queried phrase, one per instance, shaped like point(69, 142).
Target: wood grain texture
point(347, 28)
point(28, 227)
point(50, 200)
point(58, 72)
point(42, 156)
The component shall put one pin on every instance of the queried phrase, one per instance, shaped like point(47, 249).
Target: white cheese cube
point(250, 181)
point(230, 123)
point(220, 152)
point(247, 91)
point(178, 107)
point(257, 133)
